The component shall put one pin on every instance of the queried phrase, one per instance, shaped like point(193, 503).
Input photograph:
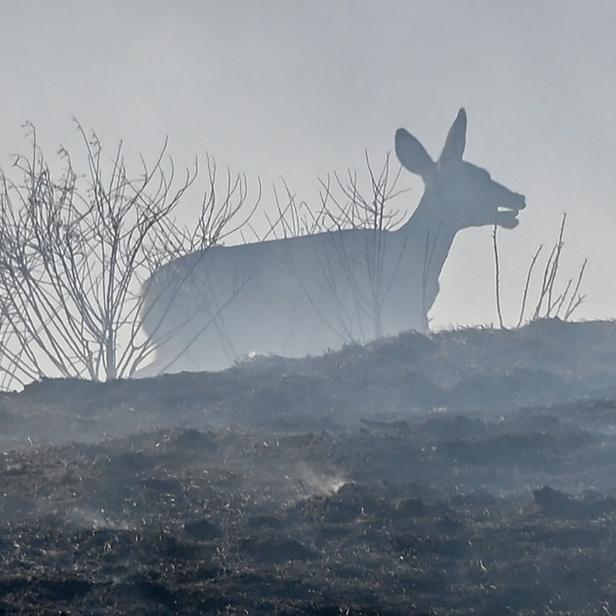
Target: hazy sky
point(299, 88)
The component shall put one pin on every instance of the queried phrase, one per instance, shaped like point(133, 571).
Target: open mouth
point(507, 218)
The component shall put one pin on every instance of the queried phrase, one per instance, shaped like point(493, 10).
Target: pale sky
point(299, 88)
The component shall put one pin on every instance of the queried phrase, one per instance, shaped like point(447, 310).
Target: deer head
point(459, 193)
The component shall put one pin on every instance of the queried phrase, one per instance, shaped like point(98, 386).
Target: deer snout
point(519, 201)
point(511, 201)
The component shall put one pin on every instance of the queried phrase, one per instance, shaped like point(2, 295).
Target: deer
point(300, 296)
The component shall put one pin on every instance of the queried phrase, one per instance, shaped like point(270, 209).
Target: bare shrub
point(76, 250)
point(348, 201)
point(554, 298)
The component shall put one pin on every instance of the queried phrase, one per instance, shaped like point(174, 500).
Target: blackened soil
point(348, 487)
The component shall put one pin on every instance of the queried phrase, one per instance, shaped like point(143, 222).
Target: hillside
point(470, 471)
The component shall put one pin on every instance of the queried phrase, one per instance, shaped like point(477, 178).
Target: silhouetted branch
point(76, 248)
point(529, 275)
point(497, 281)
point(550, 303)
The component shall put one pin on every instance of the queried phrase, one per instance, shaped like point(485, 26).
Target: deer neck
point(429, 234)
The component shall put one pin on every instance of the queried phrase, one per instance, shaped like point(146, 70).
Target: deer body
point(308, 294)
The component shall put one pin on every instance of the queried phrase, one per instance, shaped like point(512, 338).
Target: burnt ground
point(469, 472)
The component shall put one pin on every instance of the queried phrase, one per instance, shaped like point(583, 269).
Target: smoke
point(299, 89)
point(320, 483)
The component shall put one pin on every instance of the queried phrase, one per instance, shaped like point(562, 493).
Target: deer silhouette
point(305, 295)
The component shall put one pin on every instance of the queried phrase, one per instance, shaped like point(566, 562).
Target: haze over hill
point(298, 89)
point(467, 470)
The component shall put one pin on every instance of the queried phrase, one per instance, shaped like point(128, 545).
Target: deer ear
point(456, 139)
point(412, 154)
